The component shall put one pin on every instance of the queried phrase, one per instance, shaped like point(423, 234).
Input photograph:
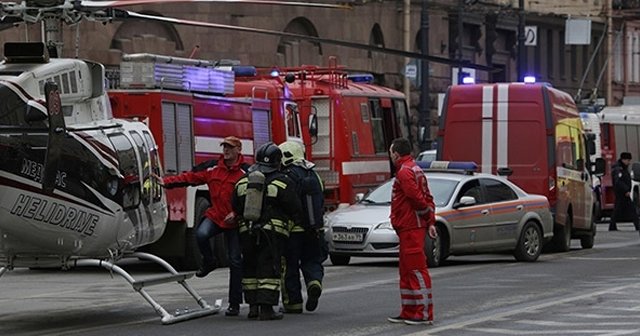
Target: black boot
point(267, 313)
point(253, 312)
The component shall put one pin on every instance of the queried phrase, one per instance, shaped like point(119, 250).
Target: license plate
point(348, 237)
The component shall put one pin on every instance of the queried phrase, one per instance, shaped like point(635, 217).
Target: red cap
point(232, 141)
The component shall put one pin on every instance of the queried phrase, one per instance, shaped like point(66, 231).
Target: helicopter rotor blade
point(122, 3)
point(123, 14)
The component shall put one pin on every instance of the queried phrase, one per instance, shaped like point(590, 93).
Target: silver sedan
point(475, 213)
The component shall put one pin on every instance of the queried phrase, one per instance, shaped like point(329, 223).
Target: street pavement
point(581, 292)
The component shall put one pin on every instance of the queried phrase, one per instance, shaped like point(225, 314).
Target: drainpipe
point(406, 34)
point(609, 55)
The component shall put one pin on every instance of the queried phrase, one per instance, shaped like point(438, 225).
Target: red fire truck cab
point(533, 135)
point(348, 123)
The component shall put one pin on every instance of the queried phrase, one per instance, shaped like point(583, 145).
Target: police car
point(475, 213)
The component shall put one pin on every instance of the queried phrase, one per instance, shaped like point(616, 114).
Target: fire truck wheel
point(433, 249)
point(529, 244)
point(191, 260)
point(339, 260)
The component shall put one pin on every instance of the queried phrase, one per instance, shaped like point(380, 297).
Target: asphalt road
point(581, 292)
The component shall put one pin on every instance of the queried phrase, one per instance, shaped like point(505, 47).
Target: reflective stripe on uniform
point(269, 284)
point(314, 283)
point(250, 283)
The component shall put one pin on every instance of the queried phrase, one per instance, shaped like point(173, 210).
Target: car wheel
point(562, 237)
point(529, 244)
point(433, 249)
point(339, 260)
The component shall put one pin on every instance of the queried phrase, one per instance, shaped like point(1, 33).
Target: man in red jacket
point(219, 218)
point(412, 215)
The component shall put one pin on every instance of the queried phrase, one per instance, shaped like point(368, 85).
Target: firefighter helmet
point(291, 152)
point(268, 158)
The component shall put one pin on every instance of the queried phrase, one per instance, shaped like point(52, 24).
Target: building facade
point(475, 32)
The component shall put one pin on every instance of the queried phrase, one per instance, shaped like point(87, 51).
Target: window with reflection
point(497, 191)
point(128, 164)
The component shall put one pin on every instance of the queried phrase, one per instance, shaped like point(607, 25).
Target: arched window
point(375, 38)
point(295, 52)
point(138, 36)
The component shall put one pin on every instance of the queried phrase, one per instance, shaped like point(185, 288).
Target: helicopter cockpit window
point(130, 188)
point(13, 109)
point(156, 189)
point(146, 167)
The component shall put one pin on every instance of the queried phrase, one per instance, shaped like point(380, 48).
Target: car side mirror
point(598, 167)
point(465, 201)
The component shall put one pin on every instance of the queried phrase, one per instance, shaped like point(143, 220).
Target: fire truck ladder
point(140, 285)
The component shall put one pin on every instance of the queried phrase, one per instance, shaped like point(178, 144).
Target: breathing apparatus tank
point(255, 192)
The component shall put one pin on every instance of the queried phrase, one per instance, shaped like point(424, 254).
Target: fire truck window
point(364, 113)
point(129, 190)
point(293, 121)
point(402, 117)
point(471, 188)
point(146, 167)
point(497, 191)
point(156, 189)
point(632, 139)
point(377, 127)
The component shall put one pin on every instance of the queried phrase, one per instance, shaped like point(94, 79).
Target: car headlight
point(384, 226)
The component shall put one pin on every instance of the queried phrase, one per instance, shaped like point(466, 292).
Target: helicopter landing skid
point(139, 286)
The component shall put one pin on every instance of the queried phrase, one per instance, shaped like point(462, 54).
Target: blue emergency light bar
point(361, 78)
point(466, 166)
point(529, 79)
point(468, 80)
point(244, 70)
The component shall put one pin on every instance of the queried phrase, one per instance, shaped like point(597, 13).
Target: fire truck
point(348, 122)
point(188, 106)
point(532, 134)
point(620, 131)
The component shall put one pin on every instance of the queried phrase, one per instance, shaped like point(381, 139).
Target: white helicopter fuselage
point(105, 201)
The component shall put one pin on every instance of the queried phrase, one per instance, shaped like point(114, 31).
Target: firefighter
point(623, 206)
point(266, 203)
point(412, 216)
point(306, 248)
point(220, 177)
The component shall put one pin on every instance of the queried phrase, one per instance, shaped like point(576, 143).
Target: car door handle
point(485, 212)
point(519, 207)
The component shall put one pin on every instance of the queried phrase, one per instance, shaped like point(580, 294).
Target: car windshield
point(441, 189)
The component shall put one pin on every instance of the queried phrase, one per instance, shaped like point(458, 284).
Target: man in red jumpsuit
point(412, 215)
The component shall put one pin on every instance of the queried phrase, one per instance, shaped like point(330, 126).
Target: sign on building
point(577, 32)
point(531, 36)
